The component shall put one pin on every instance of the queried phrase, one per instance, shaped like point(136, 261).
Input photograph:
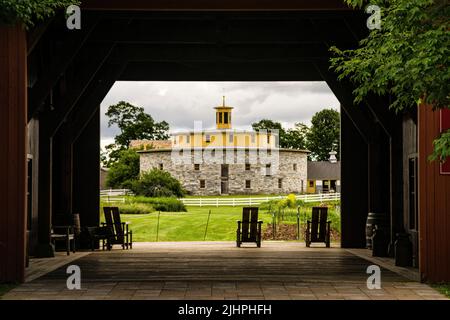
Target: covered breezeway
point(56, 79)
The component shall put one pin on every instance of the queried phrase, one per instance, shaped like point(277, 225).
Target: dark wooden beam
point(74, 41)
point(89, 104)
point(220, 71)
point(191, 5)
point(228, 53)
point(88, 71)
point(221, 28)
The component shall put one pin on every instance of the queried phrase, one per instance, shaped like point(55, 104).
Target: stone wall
point(293, 180)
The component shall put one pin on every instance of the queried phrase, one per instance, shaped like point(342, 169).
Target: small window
point(231, 138)
point(248, 184)
point(247, 166)
point(161, 166)
point(269, 152)
point(294, 167)
point(225, 117)
point(280, 183)
point(311, 183)
point(220, 117)
point(208, 138)
point(202, 184)
point(268, 173)
point(196, 167)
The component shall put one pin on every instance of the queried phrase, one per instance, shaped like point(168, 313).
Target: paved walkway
point(219, 270)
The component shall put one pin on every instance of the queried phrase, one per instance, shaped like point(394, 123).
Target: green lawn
point(443, 288)
point(187, 226)
point(191, 225)
point(4, 288)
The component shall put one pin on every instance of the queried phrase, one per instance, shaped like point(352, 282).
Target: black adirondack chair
point(318, 229)
point(249, 229)
point(119, 231)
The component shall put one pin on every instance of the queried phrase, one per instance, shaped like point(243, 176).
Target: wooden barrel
point(374, 218)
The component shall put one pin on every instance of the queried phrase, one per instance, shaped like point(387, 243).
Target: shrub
point(122, 173)
point(161, 204)
point(291, 201)
point(158, 183)
point(136, 208)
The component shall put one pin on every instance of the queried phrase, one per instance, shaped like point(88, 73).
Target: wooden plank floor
point(224, 262)
point(220, 271)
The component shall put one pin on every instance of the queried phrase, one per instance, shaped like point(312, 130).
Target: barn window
point(247, 166)
point(202, 184)
point(280, 183)
point(196, 167)
point(161, 166)
point(294, 167)
point(248, 184)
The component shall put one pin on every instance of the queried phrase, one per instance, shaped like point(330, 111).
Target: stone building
point(227, 161)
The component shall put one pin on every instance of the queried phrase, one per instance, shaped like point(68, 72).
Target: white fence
point(114, 195)
point(225, 201)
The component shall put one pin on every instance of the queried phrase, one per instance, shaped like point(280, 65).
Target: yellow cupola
point(223, 116)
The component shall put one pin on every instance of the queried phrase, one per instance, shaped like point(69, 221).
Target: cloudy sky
point(182, 103)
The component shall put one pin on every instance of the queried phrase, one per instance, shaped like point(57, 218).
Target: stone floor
point(220, 271)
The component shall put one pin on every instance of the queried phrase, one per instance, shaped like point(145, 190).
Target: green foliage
point(266, 124)
point(135, 208)
point(407, 59)
point(29, 12)
point(160, 204)
point(124, 171)
point(324, 135)
point(158, 183)
point(441, 147)
point(296, 138)
point(134, 124)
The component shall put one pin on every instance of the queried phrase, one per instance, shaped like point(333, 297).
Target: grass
point(191, 225)
point(4, 288)
point(443, 288)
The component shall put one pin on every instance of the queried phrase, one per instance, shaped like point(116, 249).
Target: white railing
point(234, 202)
point(114, 195)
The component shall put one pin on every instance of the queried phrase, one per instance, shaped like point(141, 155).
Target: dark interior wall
point(86, 173)
point(13, 152)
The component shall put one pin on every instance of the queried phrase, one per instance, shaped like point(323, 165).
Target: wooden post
point(13, 159)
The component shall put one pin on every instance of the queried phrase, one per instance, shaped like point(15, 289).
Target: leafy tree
point(124, 171)
point(324, 134)
point(266, 124)
point(29, 12)
point(296, 137)
point(134, 124)
point(158, 183)
point(407, 58)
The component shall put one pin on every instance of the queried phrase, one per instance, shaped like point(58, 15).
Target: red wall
point(434, 203)
point(13, 121)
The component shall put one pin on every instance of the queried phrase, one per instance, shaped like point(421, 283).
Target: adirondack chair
point(67, 233)
point(318, 229)
point(249, 229)
point(120, 233)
